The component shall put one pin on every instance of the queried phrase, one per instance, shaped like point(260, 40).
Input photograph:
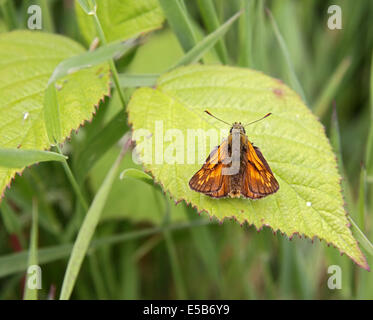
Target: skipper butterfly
point(236, 168)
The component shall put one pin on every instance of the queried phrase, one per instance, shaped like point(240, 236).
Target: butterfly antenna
point(210, 114)
point(267, 115)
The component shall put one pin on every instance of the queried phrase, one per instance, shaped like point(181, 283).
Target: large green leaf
point(27, 60)
point(121, 19)
point(309, 201)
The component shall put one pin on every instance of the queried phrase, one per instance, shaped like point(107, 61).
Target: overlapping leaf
point(121, 19)
point(309, 201)
point(27, 60)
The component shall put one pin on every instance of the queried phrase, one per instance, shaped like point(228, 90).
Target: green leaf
point(137, 174)
point(206, 43)
point(91, 58)
point(71, 65)
point(121, 19)
point(17, 158)
point(309, 201)
point(27, 61)
point(32, 293)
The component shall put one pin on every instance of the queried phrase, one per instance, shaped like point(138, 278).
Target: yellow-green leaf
point(27, 61)
point(309, 201)
point(121, 19)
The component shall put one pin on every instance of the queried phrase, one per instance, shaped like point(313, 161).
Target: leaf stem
point(73, 182)
point(113, 68)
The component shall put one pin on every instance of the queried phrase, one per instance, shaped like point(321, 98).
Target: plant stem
point(113, 68)
point(73, 182)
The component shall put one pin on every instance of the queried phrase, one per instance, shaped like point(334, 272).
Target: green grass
point(140, 245)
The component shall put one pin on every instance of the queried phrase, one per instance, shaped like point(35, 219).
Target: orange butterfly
point(235, 168)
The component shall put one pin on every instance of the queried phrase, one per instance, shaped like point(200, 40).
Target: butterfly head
point(238, 126)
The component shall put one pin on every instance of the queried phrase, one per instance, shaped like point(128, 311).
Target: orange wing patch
point(258, 180)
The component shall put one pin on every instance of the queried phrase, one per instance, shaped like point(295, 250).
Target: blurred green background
point(202, 261)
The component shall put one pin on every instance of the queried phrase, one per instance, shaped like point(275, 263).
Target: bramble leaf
point(121, 19)
point(27, 61)
point(309, 201)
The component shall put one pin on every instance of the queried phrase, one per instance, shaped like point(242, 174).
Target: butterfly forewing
point(210, 179)
point(258, 180)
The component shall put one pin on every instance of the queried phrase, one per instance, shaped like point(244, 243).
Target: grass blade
point(369, 147)
point(88, 228)
point(325, 99)
point(19, 158)
point(11, 221)
point(179, 22)
point(211, 21)
point(17, 262)
point(9, 14)
point(362, 238)
point(206, 44)
point(294, 82)
point(206, 248)
point(337, 147)
point(245, 33)
point(346, 189)
point(137, 80)
point(32, 293)
point(361, 205)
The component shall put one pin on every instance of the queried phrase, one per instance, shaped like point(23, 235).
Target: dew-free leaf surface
point(309, 201)
point(121, 19)
point(27, 60)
